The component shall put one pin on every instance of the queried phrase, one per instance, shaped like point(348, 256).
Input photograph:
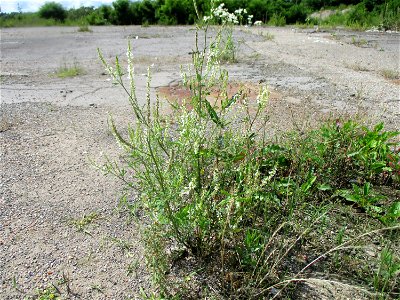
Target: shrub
point(52, 10)
point(277, 20)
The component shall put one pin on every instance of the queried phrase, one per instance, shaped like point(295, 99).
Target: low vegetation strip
point(227, 213)
point(355, 14)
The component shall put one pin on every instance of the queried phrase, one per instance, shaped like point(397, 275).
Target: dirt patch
point(176, 93)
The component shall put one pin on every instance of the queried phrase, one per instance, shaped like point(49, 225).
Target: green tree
point(174, 12)
point(52, 10)
point(79, 13)
point(101, 16)
point(296, 13)
point(147, 11)
point(123, 13)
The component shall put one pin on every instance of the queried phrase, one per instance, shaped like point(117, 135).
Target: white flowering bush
point(212, 188)
point(220, 15)
point(182, 164)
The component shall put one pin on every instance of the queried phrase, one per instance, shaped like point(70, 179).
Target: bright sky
point(33, 5)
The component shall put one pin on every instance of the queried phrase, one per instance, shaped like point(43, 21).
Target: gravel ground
point(51, 128)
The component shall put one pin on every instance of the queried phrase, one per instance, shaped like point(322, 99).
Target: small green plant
point(335, 36)
point(132, 267)
point(122, 244)
point(82, 223)
point(66, 71)
point(268, 36)
point(49, 293)
point(84, 28)
point(221, 15)
point(387, 275)
point(359, 42)
point(390, 74)
point(15, 285)
point(357, 67)
point(365, 198)
point(97, 288)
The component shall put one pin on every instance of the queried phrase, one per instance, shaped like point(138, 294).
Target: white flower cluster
point(222, 13)
point(129, 57)
point(263, 97)
point(240, 11)
point(207, 18)
point(250, 20)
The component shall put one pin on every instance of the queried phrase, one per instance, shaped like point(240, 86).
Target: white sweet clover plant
point(178, 163)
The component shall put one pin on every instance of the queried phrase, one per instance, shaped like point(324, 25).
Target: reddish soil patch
point(247, 91)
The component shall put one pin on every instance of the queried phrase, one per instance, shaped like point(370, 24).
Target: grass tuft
point(84, 28)
point(67, 71)
point(390, 74)
point(83, 223)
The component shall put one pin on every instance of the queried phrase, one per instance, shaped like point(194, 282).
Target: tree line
point(182, 12)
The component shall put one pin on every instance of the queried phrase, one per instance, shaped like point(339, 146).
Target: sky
point(33, 5)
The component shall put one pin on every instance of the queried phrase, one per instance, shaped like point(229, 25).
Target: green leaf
point(367, 187)
point(307, 185)
point(239, 156)
point(224, 202)
point(350, 197)
point(373, 143)
point(394, 210)
point(354, 153)
point(212, 113)
point(377, 166)
point(375, 208)
point(378, 127)
point(228, 102)
point(324, 187)
point(205, 152)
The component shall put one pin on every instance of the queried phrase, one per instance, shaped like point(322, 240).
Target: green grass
point(33, 20)
point(67, 71)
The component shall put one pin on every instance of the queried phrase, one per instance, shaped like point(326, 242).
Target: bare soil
point(52, 128)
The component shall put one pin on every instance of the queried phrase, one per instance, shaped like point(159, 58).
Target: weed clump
point(390, 74)
point(84, 28)
point(253, 217)
point(66, 71)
